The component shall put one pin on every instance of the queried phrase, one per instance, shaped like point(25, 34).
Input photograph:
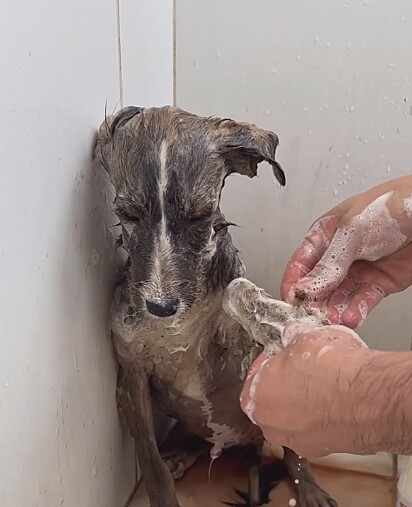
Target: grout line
point(174, 53)
point(119, 53)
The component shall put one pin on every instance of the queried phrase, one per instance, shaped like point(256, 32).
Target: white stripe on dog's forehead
point(162, 259)
point(162, 184)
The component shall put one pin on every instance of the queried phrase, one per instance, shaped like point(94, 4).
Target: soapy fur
point(173, 340)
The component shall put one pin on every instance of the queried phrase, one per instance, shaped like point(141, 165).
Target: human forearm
point(382, 405)
point(327, 393)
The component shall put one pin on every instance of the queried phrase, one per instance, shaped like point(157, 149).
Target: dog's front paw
point(263, 317)
point(311, 495)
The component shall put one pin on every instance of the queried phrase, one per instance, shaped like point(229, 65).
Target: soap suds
point(371, 235)
point(363, 310)
point(379, 224)
point(323, 351)
point(407, 204)
point(222, 435)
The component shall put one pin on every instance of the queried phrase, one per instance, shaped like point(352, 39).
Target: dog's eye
point(197, 219)
point(125, 216)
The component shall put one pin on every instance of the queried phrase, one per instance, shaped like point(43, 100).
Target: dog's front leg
point(133, 395)
point(307, 490)
point(263, 317)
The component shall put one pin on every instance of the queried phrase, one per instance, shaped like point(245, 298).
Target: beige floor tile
point(349, 489)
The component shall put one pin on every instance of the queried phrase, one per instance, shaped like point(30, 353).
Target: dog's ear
point(107, 130)
point(243, 146)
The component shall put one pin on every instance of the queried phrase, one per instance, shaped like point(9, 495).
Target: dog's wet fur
point(174, 341)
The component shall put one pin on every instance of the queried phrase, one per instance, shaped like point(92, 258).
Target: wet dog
point(186, 325)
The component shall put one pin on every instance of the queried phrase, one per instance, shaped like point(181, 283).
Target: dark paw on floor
point(244, 500)
point(269, 476)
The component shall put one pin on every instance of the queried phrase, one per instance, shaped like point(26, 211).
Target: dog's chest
point(196, 372)
point(201, 388)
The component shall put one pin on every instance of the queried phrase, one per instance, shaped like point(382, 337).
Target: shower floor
point(350, 489)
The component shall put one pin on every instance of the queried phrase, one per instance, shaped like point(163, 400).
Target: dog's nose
point(162, 309)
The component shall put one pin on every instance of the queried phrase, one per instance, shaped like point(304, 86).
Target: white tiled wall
point(147, 52)
point(333, 79)
point(60, 441)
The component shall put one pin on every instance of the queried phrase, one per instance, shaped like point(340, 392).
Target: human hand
point(355, 255)
point(303, 397)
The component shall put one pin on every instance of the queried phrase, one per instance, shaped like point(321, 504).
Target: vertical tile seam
point(174, 53)
point(119, 53)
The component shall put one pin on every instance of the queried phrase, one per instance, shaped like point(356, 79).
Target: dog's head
point(168, 168)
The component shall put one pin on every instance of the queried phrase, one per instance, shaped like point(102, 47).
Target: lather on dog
point(186, 325)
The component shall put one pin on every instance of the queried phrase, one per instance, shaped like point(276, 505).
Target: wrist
point(381, 414)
